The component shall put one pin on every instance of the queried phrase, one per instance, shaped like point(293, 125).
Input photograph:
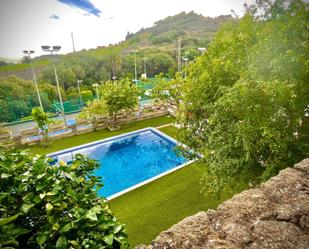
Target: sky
point(29, 24)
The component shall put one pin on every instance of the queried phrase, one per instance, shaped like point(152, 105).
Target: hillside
point(191, 28)
point(194, 31)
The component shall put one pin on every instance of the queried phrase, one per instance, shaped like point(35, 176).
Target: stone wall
point(274, 215)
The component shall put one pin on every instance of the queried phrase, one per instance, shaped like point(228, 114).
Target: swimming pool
point(130, 160)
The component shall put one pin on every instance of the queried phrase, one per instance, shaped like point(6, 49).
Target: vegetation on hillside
point(17, 97)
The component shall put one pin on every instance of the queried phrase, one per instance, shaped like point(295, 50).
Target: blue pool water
point(130, 159)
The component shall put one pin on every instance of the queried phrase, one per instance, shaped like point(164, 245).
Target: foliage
point(40, 117)
point(114, 97)
point(121, 95)
point(45, 206)
point(160, 63)
point(86, 95)
point(17, 97)
point(169, 91)
point(244, 100)
point(66, 76)
point(51, 91)
point(94, 109)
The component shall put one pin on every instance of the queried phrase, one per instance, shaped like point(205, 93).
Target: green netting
point(17, 108)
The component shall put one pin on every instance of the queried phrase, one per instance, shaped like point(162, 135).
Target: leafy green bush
point(45, 206)
point(86, 95)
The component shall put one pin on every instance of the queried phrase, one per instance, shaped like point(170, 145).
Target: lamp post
point(96, 86)
point(145, 71)
point(28, 53)
point(80, 96)
point(51, 50)
point(135, 67)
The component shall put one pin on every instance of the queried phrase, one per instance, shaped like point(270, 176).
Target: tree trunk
point(115, 120)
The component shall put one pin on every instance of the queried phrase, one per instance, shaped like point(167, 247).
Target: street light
point(145, 72)
point(80, 96)
point(96, 86)
point(28, 53)
point(51, 50)
point(135, 68)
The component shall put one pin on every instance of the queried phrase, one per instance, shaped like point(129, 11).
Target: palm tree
point(114, 64)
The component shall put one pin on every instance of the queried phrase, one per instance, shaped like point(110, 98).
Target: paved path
point(28, 125)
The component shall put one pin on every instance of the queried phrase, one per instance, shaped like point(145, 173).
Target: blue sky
point(84, 5)
point(29, 24)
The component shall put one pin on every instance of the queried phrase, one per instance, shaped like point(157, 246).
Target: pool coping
point(158, 132)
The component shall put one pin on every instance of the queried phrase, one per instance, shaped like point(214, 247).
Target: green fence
point(15, 109)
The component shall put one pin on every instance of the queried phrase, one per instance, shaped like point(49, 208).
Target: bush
point(44, 206)
point(86, 95)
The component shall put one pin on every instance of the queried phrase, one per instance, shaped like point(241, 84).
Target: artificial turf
point(68, 142)
point(156, 206)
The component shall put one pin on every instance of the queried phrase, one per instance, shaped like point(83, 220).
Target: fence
point(19, 109)
point(32, 136)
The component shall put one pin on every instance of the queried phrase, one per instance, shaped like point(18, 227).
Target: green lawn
point(93, 136)
point(158, 205)
point(169, 130)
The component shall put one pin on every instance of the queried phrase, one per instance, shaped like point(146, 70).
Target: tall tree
point(245, 99)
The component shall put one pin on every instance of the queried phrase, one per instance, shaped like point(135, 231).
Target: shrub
point(45, 206)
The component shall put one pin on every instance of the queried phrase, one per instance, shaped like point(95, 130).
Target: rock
point(275, 216)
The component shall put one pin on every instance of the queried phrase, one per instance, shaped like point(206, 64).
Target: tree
point(51, 91)
point(54, 206)
point(121, 95)
point(41, 118)
point(114, 97)
point(94, 109)
point(66, 76)
point(160, 63)
point(245, 99)
point(169, 91)
point(114, 64)
point(18, 96)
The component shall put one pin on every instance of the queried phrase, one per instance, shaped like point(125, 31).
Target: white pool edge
point(149, 180)
point(126, 134)
point(98, 141)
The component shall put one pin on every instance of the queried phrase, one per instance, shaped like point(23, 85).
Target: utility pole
point(179, 54)
point(80, 96)
point(185, 59)
point(73, 42)
point(114, 71)
point(28, 53)
point(135, 66)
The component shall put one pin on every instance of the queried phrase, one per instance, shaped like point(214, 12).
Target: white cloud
point(27, 24)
